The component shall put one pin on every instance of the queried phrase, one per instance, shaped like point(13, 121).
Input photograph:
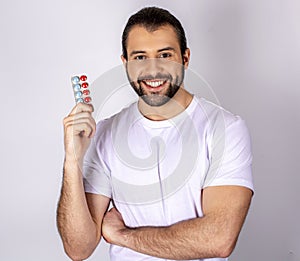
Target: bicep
point(228, 205)
point(98, 205)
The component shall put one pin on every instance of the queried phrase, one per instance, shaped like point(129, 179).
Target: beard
point(157, 98)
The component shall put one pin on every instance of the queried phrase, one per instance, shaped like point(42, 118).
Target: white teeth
point(154, 84)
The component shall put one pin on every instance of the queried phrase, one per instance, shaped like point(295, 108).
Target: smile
point(154, 83)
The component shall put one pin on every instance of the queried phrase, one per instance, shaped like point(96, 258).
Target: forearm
point(74, 221)
point(192, 239)
point(213, 235)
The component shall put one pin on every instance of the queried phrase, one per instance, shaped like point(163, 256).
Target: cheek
point(134, 69)
point(171, 66)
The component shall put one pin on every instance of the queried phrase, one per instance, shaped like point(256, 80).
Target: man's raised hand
point(79, 128)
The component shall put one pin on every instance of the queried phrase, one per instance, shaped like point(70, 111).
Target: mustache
point(161, 76)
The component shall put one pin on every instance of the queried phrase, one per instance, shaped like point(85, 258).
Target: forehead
point(139, 38)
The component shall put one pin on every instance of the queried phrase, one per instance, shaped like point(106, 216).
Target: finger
point(113, 209)
point(79, 125)
point(116, 212)
point(80, 118)
point(80, 128)
point(76, 116)
point(81, 107)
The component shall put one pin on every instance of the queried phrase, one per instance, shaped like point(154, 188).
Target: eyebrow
point(136, 52)
point(166, 49)
point(160, 50)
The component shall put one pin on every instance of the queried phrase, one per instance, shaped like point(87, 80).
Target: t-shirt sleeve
point(231, 157)
point(96, 176)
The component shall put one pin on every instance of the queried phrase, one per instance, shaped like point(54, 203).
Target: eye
point(165, 55)
point(140, 57)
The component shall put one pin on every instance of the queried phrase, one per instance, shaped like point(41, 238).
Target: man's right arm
point(79, 214)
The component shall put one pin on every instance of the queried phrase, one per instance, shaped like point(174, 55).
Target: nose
point(152, 66)
point(149, 68)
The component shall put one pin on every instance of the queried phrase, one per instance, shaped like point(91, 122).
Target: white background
point(249, 52)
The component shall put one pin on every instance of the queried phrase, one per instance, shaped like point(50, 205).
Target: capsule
point(75, 79)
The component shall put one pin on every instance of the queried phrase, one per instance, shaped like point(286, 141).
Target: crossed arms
point(213, 235)
point(83, 219)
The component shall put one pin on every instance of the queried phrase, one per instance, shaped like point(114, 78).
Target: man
point(176, 167)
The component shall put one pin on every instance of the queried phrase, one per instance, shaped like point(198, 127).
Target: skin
point(158, 49)
point(213, 235)
point(79, 214)
point(82, 218)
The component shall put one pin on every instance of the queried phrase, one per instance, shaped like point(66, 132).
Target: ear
point(186, 58)
point(124, 61)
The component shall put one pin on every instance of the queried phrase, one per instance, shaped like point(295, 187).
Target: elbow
point(225, 252)
point(226, 248)
point(77, 257)
point(80, 246)
point(77, 254)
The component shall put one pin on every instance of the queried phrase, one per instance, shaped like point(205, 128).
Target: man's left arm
point(213, 235)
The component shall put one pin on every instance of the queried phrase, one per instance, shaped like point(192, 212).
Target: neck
point(176, 105)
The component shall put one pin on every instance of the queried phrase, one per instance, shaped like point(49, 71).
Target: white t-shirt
point(155, 170)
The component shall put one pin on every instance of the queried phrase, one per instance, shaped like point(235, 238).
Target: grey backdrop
point(247, 50)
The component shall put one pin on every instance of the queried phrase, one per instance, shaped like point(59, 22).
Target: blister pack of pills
point(80, 89)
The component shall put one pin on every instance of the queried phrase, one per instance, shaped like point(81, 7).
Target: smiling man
point(154, 78)
point(176, 167)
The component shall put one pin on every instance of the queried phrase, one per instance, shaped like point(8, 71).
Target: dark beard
point(156, 99)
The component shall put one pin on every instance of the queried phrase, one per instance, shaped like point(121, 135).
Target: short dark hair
point(152, 18)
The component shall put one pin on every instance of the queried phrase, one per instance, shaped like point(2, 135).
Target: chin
point(155, 100)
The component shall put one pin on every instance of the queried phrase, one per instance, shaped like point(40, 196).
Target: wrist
point(72, 164)
point(125, 237)
point(73, 157)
